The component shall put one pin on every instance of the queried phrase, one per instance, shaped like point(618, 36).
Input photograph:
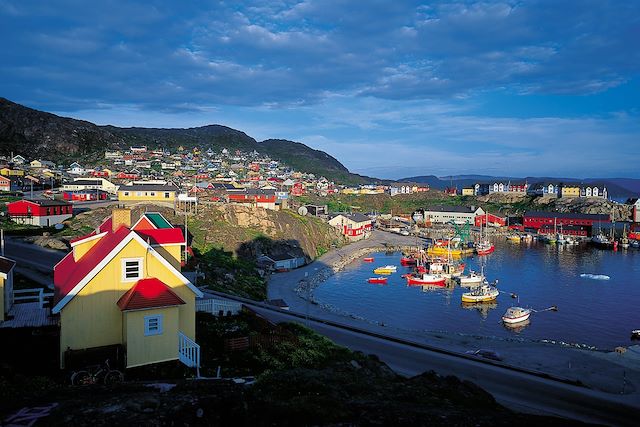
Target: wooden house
point(121, 287)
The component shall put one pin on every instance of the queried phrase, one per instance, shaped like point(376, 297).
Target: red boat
point(368, 259)
point(485, 248)
point(377, 280)
point(426, 279)
point(408, 261)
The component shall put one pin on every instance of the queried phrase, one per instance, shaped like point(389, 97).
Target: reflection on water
point(481, 307)
point(517, 327)
point(593, 312)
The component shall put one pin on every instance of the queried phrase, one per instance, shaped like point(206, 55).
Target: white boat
point(481, 294)
point(471, 279)
point(516, 315)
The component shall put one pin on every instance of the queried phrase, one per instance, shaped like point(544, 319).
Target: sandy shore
point(606, 371)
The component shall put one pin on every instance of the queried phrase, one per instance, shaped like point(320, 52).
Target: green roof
point(158, 220)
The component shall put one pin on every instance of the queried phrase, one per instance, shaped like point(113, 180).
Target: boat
point(387, 269)
point(513, 238)
point(635, 244)
point(471, 279)
point(427, 279)
point(443, 250)
point(516, 315)
point(447, 269)
point(481, 293)
point(405, 261)
point(485, 247)
point(377, 280)
point(368, 259)
point(635, 334)
point(601, 241)
point(624, 241)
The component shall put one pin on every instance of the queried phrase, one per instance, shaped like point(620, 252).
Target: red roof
point(162, 236)
point(148, 293)
point(86, 236)
point(69, 272)
point(144, 224)
point(106, 225)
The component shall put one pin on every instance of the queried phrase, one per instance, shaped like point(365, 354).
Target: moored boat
point(368, 259)
point(485, 247)
point(387, 269)
point(426, 279)
point(470, 279)
point(408, 261)
point(481, 294)
point(516, 315)
point(377, 280)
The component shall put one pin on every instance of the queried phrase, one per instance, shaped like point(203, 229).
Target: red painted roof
point(148, 293)
point(69, 272)
point(162, 236)
point(106, 225)
point(86, 236)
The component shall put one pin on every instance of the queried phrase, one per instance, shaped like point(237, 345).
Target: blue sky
point(390, 88)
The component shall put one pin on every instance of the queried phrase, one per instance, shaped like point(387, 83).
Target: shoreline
point(599, 369)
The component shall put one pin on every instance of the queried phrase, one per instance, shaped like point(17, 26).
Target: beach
point(611, 372)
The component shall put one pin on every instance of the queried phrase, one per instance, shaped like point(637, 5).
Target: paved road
point(33, 261)
point(516, 390)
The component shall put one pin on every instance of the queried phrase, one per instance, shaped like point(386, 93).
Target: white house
point(457, 214)
point(76, 169)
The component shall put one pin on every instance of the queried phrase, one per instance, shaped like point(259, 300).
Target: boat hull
point(434, 281)
point(380, 280)
point(519, 319)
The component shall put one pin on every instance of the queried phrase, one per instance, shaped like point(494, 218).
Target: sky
point(392, 89)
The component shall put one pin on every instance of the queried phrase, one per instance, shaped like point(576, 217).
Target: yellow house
point(147, 193)
point(467, 191)
point(570, 191)
point(6, 286)
point(11, 172)
point(121, 288)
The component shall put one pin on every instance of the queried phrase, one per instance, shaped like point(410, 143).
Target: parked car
point(486, 353)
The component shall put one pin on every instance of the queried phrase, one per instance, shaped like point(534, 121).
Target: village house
point(355, 226)
point(121, 288)
point(254, 197)
point(11, 172)
point(570, 190)
point(456, 214)
point(147, 193)
point(79, 184)
point(5, 183)
point(18, 160)
point(570, 223)
point(40, 212)
point(468, 191)
point(76, 169)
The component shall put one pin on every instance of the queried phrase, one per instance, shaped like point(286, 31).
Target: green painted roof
point(158, 220)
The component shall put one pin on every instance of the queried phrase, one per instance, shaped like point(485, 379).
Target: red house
point(260, 198)
point(297, 189)
point(5, 183)
point(572, 223)
point(127, 175)
point(494, 220)
point(41, 212)
point(354, 226)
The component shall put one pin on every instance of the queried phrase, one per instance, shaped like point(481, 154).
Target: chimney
point(120, 217)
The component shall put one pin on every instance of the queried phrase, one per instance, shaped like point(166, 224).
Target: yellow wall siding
point(82, 248)
point(92, 318)
point(145, 196)
point(143, 350)
point(570, 191)
point(2, 308)
point(467, 191)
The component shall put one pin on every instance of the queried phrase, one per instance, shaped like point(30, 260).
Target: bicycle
point(97, 374)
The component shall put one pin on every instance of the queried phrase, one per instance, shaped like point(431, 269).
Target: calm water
point(599, 313)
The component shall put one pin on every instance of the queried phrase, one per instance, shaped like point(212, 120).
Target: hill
point(62, 139)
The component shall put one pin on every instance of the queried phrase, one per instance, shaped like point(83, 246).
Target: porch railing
point(189, 352)
point(32, 295)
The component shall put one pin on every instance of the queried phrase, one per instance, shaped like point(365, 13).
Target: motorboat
point(516, 315)
point(407, 261)
point(382, 280)
point(387, 269)
point(481, 293)
point(635, 334)
point(470, 279)
point(426, 279)
point(368, 259)
point(485, 247)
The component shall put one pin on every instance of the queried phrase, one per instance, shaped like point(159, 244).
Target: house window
point(153, 194)
point(153, 325)
point(131, 269)
point(166, 195)
point(126, 193)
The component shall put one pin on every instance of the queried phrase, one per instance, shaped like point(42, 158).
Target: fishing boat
point(368, 259)
point(427, 279)
point(602, 241)
point(471, 279)
point(485, 247)
point(516, 315)
point(377, 280)
point(387, 269)
point(408, 261)
point(443, 250)
point(481, 293)
point(447, 269)
point(624, 241)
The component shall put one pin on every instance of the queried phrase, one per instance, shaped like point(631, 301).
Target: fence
point(218, 307)
point(32, 295)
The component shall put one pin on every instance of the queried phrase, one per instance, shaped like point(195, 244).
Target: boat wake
point(595, 276)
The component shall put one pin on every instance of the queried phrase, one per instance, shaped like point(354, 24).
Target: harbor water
point(592, 310)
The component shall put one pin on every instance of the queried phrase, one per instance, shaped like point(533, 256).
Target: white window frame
point(153, 325)
point(124, 269)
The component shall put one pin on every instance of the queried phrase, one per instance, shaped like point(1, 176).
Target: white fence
point(218, 306)
point(32, 295)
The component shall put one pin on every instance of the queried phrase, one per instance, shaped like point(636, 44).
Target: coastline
point(606, 371)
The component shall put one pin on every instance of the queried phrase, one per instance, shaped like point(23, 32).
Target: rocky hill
point(43, 135)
